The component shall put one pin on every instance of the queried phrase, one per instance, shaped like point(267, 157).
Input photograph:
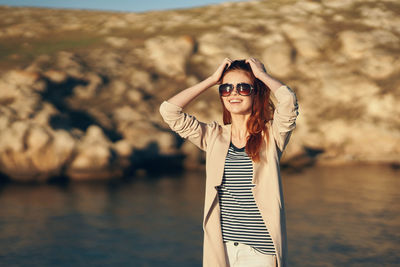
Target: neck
point(239, 127)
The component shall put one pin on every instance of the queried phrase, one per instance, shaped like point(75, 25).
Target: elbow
point(161, 109)
point(291, 99)
point(286, 97)
point(170, 111)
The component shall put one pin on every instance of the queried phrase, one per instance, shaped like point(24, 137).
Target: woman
point(244, 215)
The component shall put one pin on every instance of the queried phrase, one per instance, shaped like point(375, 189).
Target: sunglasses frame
point(238, 91)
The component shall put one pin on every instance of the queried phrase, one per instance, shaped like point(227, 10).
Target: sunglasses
point(243, 89)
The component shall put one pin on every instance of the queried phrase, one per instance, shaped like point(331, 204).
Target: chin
point(239, 111)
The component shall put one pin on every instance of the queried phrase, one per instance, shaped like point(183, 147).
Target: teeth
point(235, 101)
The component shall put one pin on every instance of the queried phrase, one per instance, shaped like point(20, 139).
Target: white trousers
point(242, 255)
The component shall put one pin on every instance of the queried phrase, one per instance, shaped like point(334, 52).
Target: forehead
point(236, 76)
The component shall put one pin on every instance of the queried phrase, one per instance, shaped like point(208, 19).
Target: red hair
point(261, 113)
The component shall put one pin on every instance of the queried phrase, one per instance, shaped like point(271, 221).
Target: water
point(343, 216)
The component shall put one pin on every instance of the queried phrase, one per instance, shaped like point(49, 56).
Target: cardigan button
point(236, 243)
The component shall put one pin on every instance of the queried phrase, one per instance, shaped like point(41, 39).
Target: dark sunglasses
point(243, 89)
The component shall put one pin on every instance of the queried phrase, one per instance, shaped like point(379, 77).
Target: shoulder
point(215, 128)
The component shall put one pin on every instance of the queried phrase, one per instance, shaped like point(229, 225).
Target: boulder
point(29, 152)
point(168, 55)
point(277, 59)
point(94, 158)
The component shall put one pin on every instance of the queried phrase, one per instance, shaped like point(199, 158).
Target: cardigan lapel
point(221, 148)
point(218, 154)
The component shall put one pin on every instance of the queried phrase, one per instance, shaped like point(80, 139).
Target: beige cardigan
point(268, 194)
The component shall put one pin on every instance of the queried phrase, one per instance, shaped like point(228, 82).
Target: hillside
point(80, 90)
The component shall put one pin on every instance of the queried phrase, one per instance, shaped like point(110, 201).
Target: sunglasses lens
point(244, 89)
point(225, 89)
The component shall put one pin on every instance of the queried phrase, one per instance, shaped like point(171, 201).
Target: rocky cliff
point(80, 90)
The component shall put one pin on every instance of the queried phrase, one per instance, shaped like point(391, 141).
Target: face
point(235, 103)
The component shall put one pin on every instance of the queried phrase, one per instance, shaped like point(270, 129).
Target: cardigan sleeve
point(186, 125)
point(285, 115)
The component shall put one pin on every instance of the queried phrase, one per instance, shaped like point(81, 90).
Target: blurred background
point(91, 175)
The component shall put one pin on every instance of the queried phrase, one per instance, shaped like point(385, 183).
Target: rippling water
point(336, 216)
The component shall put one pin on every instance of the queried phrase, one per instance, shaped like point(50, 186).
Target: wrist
point(264, 76)
point(211, 81)
point(271, 82)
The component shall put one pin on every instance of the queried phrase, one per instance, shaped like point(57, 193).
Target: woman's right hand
point(218, 73)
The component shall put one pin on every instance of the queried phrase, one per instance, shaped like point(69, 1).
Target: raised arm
point(259, 72)
point(286, 110)
point(183, 98)
point(185, 125)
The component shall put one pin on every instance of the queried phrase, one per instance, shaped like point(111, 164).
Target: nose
point(234, 90)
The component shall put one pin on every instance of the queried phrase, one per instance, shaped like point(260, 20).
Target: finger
point(226, 65)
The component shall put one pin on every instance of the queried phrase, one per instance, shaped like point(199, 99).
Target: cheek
point(249, 102)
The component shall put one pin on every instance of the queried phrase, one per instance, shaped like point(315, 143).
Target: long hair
point(262, 111)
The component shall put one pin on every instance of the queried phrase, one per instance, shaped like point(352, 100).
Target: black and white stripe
point(241, 220)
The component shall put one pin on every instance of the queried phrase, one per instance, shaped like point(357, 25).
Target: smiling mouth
point(235, 101)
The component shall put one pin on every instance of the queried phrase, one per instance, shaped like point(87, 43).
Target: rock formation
point(80, 90)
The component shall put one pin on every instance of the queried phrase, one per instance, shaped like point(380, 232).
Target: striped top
point(241, 220)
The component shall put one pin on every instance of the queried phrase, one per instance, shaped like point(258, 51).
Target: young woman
point(244, 215)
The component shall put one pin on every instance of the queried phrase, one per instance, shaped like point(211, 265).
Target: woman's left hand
point(257, 67)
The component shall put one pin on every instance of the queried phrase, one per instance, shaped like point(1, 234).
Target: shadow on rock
point(56, 93)
point(4, 179)
point(149, 161)
point(303, 160)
